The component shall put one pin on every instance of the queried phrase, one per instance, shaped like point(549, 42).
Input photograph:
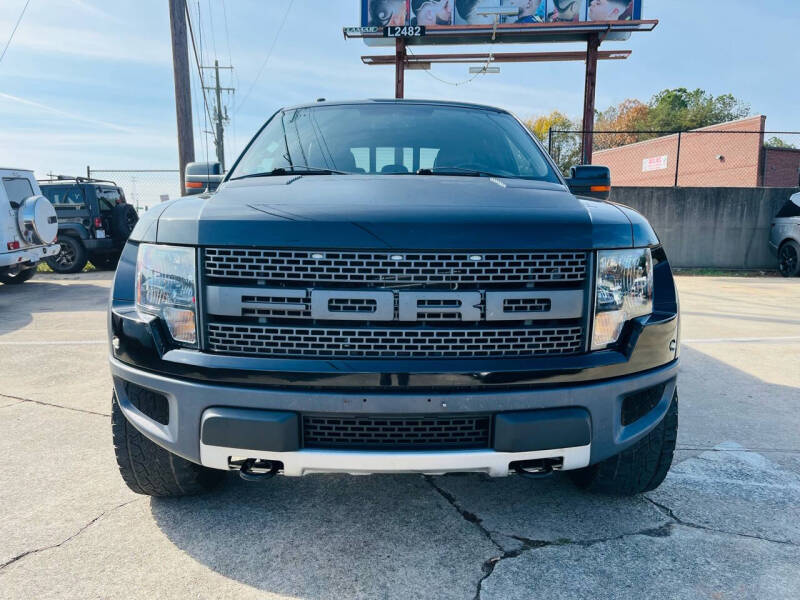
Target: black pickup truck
point(394, 286)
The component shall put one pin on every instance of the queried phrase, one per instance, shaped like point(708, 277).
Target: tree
point(669, 110)
point(628, 117)
point(565, 146)
point(776, 142)
point(681, 109)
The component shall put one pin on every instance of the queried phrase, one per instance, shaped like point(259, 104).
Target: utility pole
point(183, 94)
point(220, 113)
point(592, 46)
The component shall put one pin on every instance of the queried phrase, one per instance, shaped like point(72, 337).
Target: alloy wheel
point(66, 257)
point(788, 260)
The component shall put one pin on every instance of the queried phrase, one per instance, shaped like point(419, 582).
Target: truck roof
point(397, 101)
point(15, 169)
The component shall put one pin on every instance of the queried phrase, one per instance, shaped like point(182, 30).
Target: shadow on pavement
point(412, 536)
point(379, 536)
point(18, 303)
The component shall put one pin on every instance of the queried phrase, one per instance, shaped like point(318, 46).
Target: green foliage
point(669, 110)
point(776, 142)
point(681, 109)
point(566, 147)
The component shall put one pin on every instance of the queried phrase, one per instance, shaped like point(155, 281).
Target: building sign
point(457, 13)
point(656, 163)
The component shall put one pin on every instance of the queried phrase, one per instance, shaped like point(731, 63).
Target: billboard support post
point(592, 46)
point(399, 67)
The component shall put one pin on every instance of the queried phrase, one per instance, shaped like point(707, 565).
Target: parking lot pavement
point(725, 524)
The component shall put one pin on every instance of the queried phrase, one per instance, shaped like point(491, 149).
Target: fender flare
point(74, 229)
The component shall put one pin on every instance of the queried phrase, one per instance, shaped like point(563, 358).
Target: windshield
point(396, 139)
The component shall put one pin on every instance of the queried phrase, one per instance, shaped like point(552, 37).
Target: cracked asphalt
point(725, 523)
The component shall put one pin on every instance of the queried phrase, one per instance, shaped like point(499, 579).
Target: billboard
point(428, 13)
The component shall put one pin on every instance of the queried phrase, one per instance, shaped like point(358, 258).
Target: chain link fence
point(698, 158)
point(143, 188)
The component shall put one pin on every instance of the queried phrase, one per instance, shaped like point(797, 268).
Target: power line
point(234, 76)
point(13, 31)
point(457, 83)
point(213, 33)
point(199, 68)
point(201, 133)
point(227, 33)
point(266, 60)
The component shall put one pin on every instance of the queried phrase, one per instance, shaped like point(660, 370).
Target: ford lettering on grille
point(395, 305)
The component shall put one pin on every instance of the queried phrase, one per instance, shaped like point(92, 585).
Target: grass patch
point(43, 268)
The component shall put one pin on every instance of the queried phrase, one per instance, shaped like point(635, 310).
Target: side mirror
point(592, 181)
point(202, 177)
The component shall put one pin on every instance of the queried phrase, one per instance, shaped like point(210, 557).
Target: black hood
point(390, 211)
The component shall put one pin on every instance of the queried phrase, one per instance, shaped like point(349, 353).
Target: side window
point(790, 209)
point(383, 157)
point(427, 157)
point(72, 196)
point(107, 197)
point(408, 159)
point(17, 189)
point(60, 196)
point(361, 155)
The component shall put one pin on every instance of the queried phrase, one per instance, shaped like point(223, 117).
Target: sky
point(89, 82)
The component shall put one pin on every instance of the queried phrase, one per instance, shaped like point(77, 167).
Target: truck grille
point(338, 342)
point(294, 303)
point(397, 433)
point(308, 267)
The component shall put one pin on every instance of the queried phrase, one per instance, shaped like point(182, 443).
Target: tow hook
point(256, 469)
point(537, 469)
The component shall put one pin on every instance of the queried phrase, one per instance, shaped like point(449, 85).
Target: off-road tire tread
point(149, 469)
point(81, 257)
point(796, 272)
point(640, 468)
point(17, 279)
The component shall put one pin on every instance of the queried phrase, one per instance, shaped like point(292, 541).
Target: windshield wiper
point(460, 171)
point(304, 169)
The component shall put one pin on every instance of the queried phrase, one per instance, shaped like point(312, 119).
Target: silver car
point(784, 237)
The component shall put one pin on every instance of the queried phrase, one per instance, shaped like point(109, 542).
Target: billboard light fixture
point(484, 69)
point(499, 11)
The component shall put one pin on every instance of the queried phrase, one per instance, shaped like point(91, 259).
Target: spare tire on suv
point(123, 220)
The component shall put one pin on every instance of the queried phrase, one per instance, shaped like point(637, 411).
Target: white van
point(28, 226)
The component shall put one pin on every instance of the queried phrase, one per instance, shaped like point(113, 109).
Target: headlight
point(165, 286)
point(624, 290)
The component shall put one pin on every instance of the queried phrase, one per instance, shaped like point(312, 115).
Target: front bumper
point(28, 257)
point(190, 403)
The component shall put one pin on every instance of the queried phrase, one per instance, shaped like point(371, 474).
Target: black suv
point(394, 286)
point(94, 222)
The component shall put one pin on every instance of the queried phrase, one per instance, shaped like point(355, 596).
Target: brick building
point(726, 155)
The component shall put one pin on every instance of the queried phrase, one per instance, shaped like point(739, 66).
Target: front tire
point(149, 469)
point(640, 468)
point(20, 277)
point(71, 258)
point(789, 259)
